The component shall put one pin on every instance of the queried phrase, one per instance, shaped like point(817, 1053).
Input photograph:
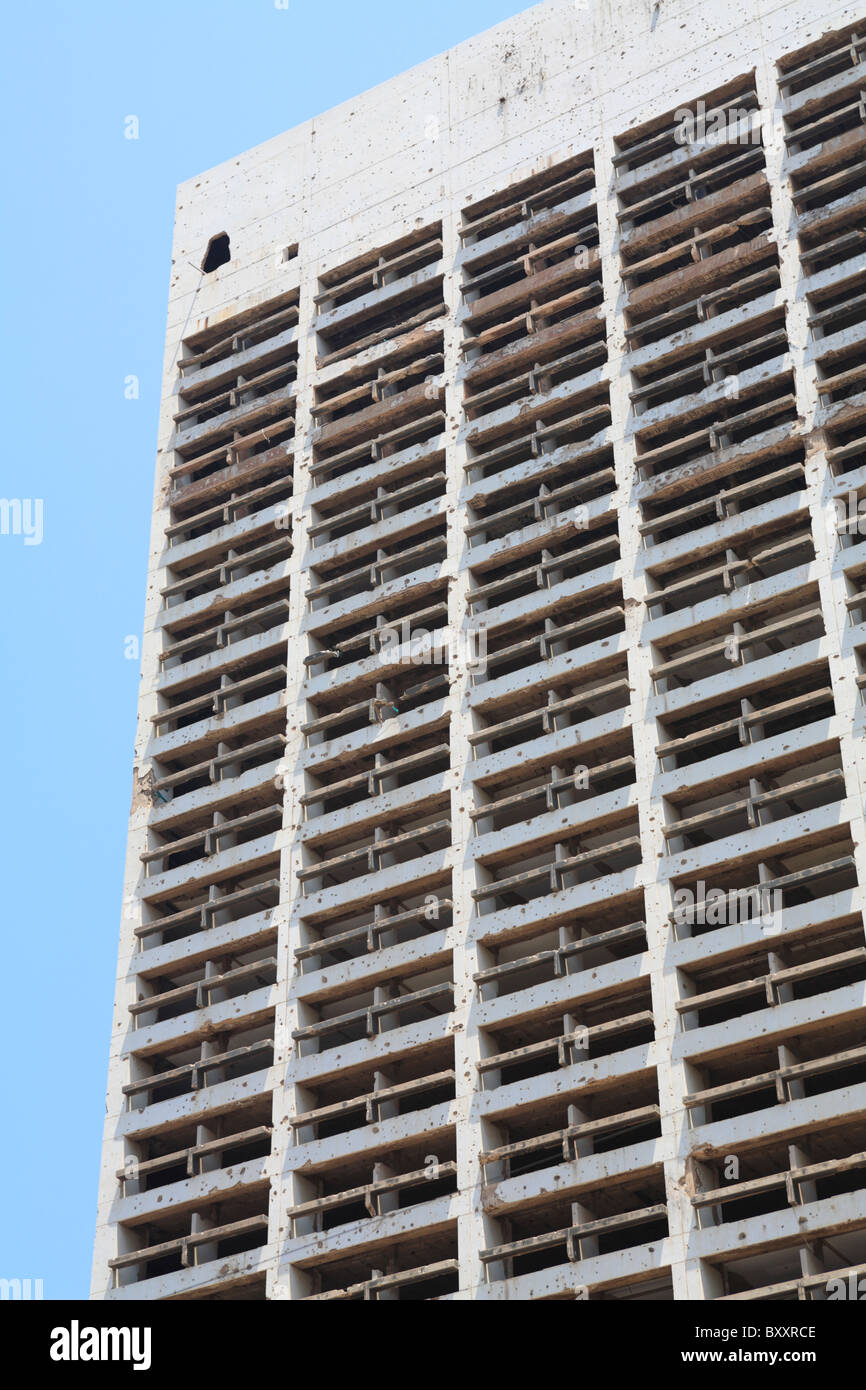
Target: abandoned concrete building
point(493, 921)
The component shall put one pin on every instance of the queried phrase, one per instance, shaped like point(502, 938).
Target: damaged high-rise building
point(493, 912)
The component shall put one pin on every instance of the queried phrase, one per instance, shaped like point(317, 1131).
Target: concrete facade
point(493, 912)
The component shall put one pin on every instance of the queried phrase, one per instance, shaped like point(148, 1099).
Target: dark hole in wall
point(218, 253)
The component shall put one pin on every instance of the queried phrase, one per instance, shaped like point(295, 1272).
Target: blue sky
point(85, 267)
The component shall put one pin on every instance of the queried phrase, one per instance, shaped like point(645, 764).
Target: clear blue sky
point(85, 268)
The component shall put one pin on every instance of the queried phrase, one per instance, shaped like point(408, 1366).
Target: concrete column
point(658, 897)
